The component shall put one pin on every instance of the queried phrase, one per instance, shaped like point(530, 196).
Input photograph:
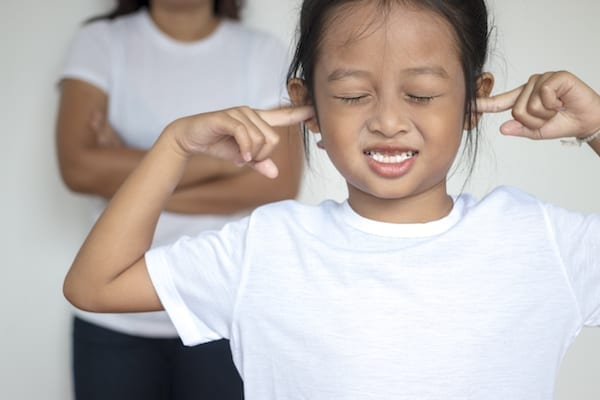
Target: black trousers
point(109, 365)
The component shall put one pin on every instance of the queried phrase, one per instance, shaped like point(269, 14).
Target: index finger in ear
point(286, 116)
point(500, 102)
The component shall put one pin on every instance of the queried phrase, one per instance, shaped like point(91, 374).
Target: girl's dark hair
point(468, 19)
point(222, 8)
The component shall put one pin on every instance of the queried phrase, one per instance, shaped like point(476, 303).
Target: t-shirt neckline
point(204, 43)
point(418, 230)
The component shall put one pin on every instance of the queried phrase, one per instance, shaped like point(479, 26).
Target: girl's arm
point(109, 272)
point(88, 167)
point(549, 106)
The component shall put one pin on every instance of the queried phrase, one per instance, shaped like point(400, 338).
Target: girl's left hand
point(549, 106)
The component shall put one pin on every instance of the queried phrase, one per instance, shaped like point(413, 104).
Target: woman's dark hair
point(468, 19)
point(222, 8)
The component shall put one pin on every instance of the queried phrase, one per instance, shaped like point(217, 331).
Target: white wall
point(42, 225)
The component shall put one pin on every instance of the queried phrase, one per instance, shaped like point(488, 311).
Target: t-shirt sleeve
point(577, 238)
point(267, 73)
point(197, 280)
point(89, 55)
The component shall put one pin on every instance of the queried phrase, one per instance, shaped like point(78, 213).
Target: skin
point(93, 159)
point(109, 273)
point(184, 20)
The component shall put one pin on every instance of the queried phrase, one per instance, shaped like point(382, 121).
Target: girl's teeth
point(390, 159)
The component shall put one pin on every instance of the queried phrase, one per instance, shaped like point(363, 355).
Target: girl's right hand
point(241, 135)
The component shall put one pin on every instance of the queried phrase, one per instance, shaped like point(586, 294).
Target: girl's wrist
point(589, 138)
point(173, 134)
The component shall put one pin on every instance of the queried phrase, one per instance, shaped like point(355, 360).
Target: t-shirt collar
point(433, 228)
point(210, 41)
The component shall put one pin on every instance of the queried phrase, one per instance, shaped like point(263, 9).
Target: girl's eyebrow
point(341, 73)
point(428, 70)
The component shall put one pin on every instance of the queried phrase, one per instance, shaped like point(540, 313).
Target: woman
point(127, 75)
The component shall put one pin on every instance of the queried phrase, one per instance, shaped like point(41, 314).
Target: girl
point(402, 291)
point(126, 77)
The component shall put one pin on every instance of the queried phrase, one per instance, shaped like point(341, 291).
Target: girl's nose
point(389, 119)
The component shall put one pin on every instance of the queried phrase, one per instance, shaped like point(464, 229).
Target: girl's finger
point(264, 140)
point(265, 167)
point(264, 120)
point(287, 116)
point(271, 137)
point(224, 124)
point(242, 138)
point(257, 137)
point(559, 85)
point(515, 128)
point(535, 104)
point(521, 109)
point(500, 102)
point(550, 98)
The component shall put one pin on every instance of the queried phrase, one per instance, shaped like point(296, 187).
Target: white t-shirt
point(151, 80)
point(321, 303)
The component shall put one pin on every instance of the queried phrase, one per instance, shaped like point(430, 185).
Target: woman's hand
point(105, 135)
point(241, 135)
point(549, 106)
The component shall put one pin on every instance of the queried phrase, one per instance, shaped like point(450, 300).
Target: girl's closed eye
point(423, 90)
point(351, 99)
point(420, 99)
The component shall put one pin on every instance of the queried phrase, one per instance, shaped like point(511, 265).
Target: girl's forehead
point(355, 20)
point(400, 27)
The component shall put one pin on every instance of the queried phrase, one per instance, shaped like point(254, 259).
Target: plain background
point(42, 224)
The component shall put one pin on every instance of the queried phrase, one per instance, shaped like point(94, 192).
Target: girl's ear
point(299, 96)
point(485, 84)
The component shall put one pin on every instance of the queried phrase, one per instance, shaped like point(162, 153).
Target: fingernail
point(511, 128)
point(270, 169)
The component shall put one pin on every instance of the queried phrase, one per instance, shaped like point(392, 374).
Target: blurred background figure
point(126, 76)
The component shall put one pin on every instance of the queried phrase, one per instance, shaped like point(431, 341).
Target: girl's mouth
point(390, 157)
point(390, 162)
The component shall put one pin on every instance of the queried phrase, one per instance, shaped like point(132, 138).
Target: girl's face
point(390, 96)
